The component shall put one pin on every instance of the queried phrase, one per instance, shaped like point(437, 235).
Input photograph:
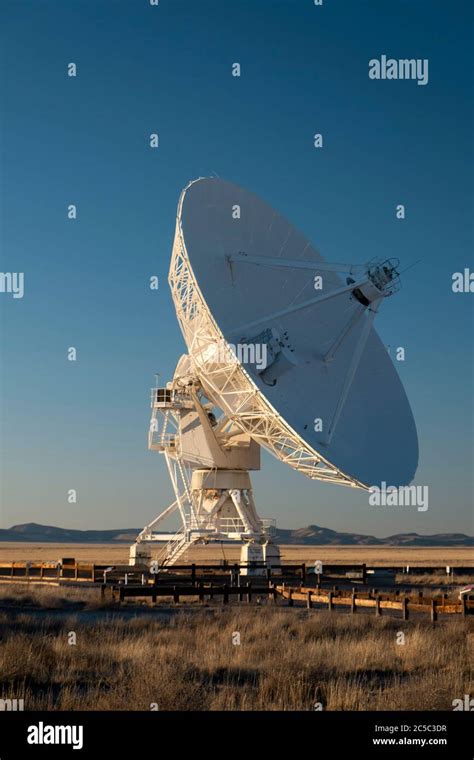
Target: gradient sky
point(84, 140)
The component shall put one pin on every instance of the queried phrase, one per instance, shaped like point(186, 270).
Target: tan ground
point(372, 555)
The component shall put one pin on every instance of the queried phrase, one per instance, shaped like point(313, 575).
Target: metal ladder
point(174, 549)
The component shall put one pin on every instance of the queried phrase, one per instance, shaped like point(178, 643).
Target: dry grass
point(51, 597)
point(432, 579)
point(373, 555)
point(288, 659)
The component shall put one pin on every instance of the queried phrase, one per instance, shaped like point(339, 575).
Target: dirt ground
point(371, 555)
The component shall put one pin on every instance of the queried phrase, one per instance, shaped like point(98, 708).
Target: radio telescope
point(281, 353)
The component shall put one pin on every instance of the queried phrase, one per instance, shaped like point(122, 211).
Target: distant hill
point(313, 535)
point(51, 534)
point(316, 536)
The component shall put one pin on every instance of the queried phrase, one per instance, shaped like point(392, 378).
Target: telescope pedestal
point(219, 507)
point(208, 462)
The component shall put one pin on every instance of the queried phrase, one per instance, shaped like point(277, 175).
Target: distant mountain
point(317, 536)
point(51, 534)
point(313, 535)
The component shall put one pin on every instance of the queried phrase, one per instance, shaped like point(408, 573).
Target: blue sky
point(84, 140)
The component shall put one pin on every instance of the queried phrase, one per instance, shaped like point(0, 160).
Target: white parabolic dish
point(375, 439)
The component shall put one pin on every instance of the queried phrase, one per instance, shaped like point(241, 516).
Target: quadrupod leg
point(356, 356)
